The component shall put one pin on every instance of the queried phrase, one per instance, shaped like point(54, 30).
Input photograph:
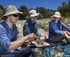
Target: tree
point(1, 11)
point(42, 11)
point(65, 10)
point(40, 16)
point(23, 9)
point(69, 2)
point(63, 3)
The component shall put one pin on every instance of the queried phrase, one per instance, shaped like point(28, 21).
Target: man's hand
point(31, 36)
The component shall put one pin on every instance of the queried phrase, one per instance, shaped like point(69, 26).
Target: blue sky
point(48, 4)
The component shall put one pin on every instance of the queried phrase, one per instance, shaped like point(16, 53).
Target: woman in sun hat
point(55, 26)
point(9, 41)
point(31, 25)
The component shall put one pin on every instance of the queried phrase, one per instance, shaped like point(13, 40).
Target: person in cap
point(9, 41)
point(55, 26)
point(31, 25)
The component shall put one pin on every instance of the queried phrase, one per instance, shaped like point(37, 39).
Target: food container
point(37, 52)
point(41, 44)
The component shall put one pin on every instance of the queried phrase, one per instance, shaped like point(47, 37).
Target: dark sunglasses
point(15, 15)
point(35, 16)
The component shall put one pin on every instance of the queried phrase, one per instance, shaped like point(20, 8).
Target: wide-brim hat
point(33, 13)
point(11, 10)
point(56, 14)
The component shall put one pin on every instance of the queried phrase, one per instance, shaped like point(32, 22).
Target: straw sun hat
point(11, 10)
point(33, 13)
point(56, 14)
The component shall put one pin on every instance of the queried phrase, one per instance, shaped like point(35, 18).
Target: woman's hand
point(67, 32)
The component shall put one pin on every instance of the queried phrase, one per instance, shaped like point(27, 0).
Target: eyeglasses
point(35, 16)
point(15, 15)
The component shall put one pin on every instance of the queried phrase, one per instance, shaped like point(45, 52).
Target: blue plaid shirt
point(6, 37)
point(54, 30)
point(30, 27)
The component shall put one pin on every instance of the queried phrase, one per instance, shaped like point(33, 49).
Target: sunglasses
point(34, 16)
point(15, 15)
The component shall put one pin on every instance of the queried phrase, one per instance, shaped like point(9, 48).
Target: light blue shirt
point(7, 36)
point(54, 30)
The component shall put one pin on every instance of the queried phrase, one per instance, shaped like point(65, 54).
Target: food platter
point(41, 44)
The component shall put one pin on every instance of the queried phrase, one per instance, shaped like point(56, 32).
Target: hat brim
point(56, 16)
point(14, 12)
point(34, 15)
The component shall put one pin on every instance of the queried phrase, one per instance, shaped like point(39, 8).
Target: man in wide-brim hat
point(9, 41)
